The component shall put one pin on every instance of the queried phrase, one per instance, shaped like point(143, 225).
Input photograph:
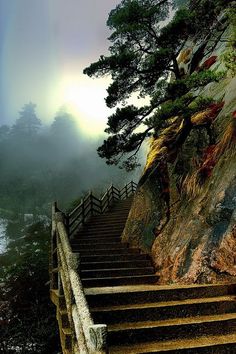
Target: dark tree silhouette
point(143, 56)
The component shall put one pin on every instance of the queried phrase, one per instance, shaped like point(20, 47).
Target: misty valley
point(40, 164)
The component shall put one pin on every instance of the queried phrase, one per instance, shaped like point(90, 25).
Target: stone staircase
point(105, 260)
point(121, 291)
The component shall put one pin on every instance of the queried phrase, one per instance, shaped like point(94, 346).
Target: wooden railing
point(78, 332)
point(91, 205)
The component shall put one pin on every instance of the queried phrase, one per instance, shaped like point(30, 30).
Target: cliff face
point(184, 213)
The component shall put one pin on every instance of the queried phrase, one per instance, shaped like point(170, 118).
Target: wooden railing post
point(112, 193)
point(108, 198)
point(119, 193)
point(132, 187)
point(126, 191)
point(67, 223)
point(91, 202)
point(83, 211)
point(100, 205)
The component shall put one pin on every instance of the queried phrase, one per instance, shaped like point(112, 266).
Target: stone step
point(124, 202)
point(116, 226)
point(191, 327)
point(151, 293)
point(121, 207)
point(105, 251)
point(116, 272)
point(113, 257)
point(118, 209)
point(96, 240)
point(103, 218)
point(114, 281)
point(97, 246)
point(107, 222)
point(116, 264)
point(99, 233)
point(112, 232)
point(219, 344)
point(95, 237)
point(164, 310)
point(104, 227)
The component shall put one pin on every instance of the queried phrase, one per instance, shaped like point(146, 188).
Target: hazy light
point(84, 99)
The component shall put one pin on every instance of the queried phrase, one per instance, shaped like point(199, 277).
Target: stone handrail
point(78, 332)
point(86, 337)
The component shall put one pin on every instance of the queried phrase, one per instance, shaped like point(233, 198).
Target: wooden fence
point(91, 205)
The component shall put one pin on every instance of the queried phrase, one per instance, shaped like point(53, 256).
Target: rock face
point(191, 233)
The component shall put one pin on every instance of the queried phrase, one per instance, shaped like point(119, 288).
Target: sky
point(44, 47)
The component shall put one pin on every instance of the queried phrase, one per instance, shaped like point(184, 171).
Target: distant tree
point(28, 124)
point(143, 56)
point(64, 125)
point(4, 132)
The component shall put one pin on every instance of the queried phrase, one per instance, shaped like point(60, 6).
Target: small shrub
point(229, 60)
point(229, 56)
point(193, 183)
point(208, 115)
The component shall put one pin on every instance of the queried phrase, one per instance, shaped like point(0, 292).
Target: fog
point(46, 154)
point(58, 162)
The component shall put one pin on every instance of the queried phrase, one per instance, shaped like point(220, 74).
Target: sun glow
point(84, 99)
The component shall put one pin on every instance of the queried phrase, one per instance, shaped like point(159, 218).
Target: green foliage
point(232, 19)
point(229, 59)
point(184, 106)
point(196, 80)
point(229, 56)
point(200, 103)
point(169, 110)
point(200, 79)
point(205, 13)
point(123, 118)
point(28, 316)
point(143, 52)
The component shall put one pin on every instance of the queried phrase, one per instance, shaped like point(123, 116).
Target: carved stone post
point(74, 262)
point(53, 254)
point(98, 336)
